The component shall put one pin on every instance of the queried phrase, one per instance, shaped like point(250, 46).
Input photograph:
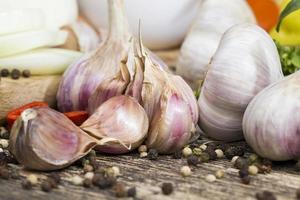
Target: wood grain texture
point(148, 176)
point(15, 93)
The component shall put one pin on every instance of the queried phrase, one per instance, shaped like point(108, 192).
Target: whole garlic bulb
point(44, 139)
point(246, 62)
point(120, 124)
point(82, 78)
point(271, 121)
point(215, 17)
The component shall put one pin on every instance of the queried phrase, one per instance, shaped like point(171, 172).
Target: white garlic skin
point(215, 17)
point(271, 123)
point(246, 62)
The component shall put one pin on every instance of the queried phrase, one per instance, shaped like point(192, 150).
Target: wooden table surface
point(148, 175)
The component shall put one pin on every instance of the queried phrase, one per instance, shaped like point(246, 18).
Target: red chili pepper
point(77, 117)
point(13, 115)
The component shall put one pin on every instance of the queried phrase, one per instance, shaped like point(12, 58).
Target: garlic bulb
point(215, 17)
point(246, 62)
point(83, 77)
point(121, 125)
point(271, 121)
point(43, 139)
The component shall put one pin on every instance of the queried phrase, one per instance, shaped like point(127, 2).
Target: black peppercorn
point(131, 192)
point(87, 183)
point(26, 73)
point(52, 182)
point(46, 186)
point(234, 151)
point(55, 176)
point(4, 72)
point(211, 152)
point(265, 195)
point(243, 172)
point(167, 188)
point(26, 185)
point(15, 74)
point(193, 160)
point(120, 190)
point(177, 154)
point(152, 154)
point(204, 157)
point(241, 163)
point(246, 180)
point(103, 182)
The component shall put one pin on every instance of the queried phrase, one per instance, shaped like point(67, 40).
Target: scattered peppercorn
point(4, 143)
point(15, 74)
point(4, 72)
point(253, 170)
point(106, 182)
point(193, 160)
point(185, 171)
point(211, 152)
point(210, 178)
point(253, 158)
point(88, 168)
point(77, 180)
point(26, 73)
point(142, 148)
point(33, 179)
point(143, 154)
point(234, 151)
point(197, 151)
point(131, 192)
point(265, 195)
point(246, 180)
point(56, 177)
point(233, 160)
point(120, 190)
point(4, 173)
point(87, 183)
point(241, 163)
point(26, 185)
point(187, 151)
point(204, 157)
point(220, 174)
point(167, 188)
point(220, 153)
point(152, 154)
point(203, 147)
point(46, 186)
point(177, 154)
point(52, 182)
point(243, 172)
point(89, 175)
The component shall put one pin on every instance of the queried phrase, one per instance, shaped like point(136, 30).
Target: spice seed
point(193, 160)
point(246, 180)
point(142, 148)
point(253, 170)
point(46, 186)
point(77, 180)
point(26, 185)
point(88, 168)
point(33, 179)
point(187, 151)
point(241, 163)
point(4, 72)
point(210, 178)
point(26, 73)
point(243, 172)
point(15, 74)
point(131, 192)
point(116, 171)
point(87, 183)
point(152, 154)
point(167, 188)
point(234, 158)
point(197, 151)
point(203, 147)
point(185, 171)
point(220, 153)
point(120, 190)
point(220, 174)
point(143, 154)
point(4, 143)
point(89, 175)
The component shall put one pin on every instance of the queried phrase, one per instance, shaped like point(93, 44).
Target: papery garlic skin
point(44, 139)
point(120, 124)
point(82, 78)
point(271, 121)
point(215, 17)
point(246, 62)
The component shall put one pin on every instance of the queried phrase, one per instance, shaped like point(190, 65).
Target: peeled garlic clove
point(120, 124)
point(43, 139)
point(271, 121)
point(83, 77)
point(246, 62)
point(215, 17)
point(172, 126)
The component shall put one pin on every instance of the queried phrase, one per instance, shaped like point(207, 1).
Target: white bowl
point(164, 22)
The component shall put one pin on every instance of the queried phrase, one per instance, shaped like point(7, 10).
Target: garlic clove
point(246, 62)
point(172, 126)
point(271, 121)
point(120, 124)
point(44, 139)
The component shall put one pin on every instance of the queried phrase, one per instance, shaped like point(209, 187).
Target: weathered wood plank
point(148, 176)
